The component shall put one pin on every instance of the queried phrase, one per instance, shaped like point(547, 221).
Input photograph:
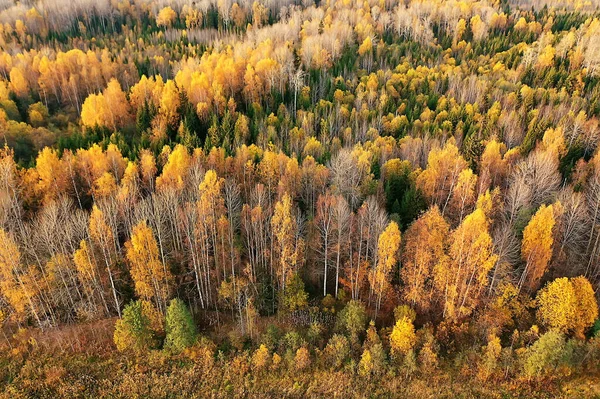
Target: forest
point(299, 198)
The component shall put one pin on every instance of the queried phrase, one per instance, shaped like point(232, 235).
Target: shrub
point(302, 359)
point(545, 354)
point(352, 319)
point(337, 350)
point(133, 331)
point(261, 358)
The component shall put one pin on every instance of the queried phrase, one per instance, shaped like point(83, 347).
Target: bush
point(133, 331)
point(294, 297)
point(352, 319)
point(180, 328)
point(545, 354)
point(302, 359)
point(336, 351)
point(261, 358)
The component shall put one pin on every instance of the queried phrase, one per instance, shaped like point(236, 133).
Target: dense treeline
point(360, 188)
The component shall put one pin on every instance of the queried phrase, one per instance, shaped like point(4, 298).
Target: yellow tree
point(166, 17)
point(14, 279)
point(175, 170)
point(567, 305)
point(438, 180)
point(150, 275)
point(103, 238)
point(88, 274)
point(211, 208)
point(463, 195)
point(461, 276)
point(283, 226)
point(147, 170)
point(53, 176)
point(403, 337)
point(117, 107)
point(170, 103)
point(585, 304)
point(105, 186)
point(94, 111)
point(424, 244)
point(387, 257)
point(536, 247)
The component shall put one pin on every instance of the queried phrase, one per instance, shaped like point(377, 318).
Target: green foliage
point(352, 319)
point(337, 350)
point(134, 331)
point(294, 297)
point(180, 327)
point(404, 311)
point(545, 354)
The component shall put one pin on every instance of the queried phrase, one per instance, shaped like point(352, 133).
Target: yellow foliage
point(165, 17)
point(403, 337)
point(536, 247)
point(568, 305)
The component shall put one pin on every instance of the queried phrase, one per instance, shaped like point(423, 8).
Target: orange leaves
point(461, 276)
point(424, 244)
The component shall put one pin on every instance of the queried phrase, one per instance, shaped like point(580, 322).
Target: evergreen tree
point(180, 327)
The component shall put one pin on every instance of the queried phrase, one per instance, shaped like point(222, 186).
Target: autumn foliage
point(386, 195)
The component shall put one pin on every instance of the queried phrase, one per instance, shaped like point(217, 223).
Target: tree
point(283, 225)
point(439, 179)
point(294, 297)
point(175, 171)
point(402, 338)
point(165, 17)
point(337, 351)
point(261, 357)
point(53, 177)
point(387, 257)
point(491, 353)
point(545, 354)
point(103, 237)
point(332, 222)
point(150, 275)
point(424, 245)
point(14, 279)
point(302, 359)
point(568, 305)
point(536, 247)
point(461, 276)
point(352, 319)
point(134, 330)
point(180, 327)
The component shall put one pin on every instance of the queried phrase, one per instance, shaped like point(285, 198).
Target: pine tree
point(180, 327)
